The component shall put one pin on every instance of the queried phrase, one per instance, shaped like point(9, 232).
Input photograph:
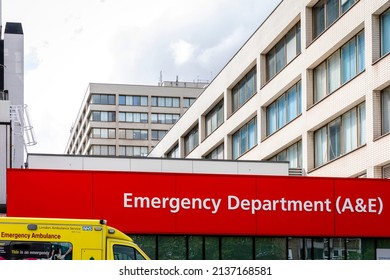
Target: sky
point(71, 43)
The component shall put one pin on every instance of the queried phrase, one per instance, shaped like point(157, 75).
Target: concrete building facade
point(128, 120)
point(310, 86)
point(12, 144)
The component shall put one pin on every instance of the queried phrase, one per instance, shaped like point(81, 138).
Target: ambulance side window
point(126, 253)
point(28, 250)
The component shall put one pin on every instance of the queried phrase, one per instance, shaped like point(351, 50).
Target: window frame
point(341, 145)
point(239, 138)
point(271, 56)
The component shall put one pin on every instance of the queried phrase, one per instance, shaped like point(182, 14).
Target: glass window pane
point(318, 19)
point(195, 247)
point(168, 118)
point(270, 248)
point(362, 124)
point(176, 102)
point(220, 115)
point(292, 104)
point(211, 248)
point(104, 116)
point(361, 52)
point(242, 95)
point(171, 247)
point(350, 131)
point(154, 101)
point(168, 102)
point(122, 100)
point(334, 72)
point(295, 248)
point(250, 85)
point(236, 248)
point(111, 99)
point(320, 146)
point(154, 118)
point(161, 102)
point(385, 33)
point(252, 134)
point(298, 38)
point(281, 111)
point(280, 60)
point(270, 65)
point(235, 98)
point(243, 141)
point(161, 118)
point(320, 82)
point(332, 11)
point(282, 156)
point(337, 248)
point(348, 60)
point(299, 90)
point(236, 145)
point(144, 101)
point(104, 133)
point(292, 156)
point(386, 111)
point(320, 249)
point(103, 99)
point(334, 139)
point(271, 119)
point(291, 45)
point(346, 4)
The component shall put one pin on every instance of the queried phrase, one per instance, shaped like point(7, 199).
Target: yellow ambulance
point(64, 239)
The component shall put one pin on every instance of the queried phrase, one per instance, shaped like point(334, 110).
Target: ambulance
point(64, 239)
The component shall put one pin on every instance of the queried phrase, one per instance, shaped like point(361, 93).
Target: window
point(386, 172)
point(284, 51)
point(122, 252)
point(217, 153)
point(138, 151)
point(102, 150)
point(158, 134)
point(133, 100)
point(326, 12)
point(103, 133)
point(214, 119)
point(174, 152)
point(36, 250)
point(187, 102)
point(385, 33)
point(285, 109)
point(132, 117)
point(341, 136)
point(101, 116)
point(165, 118)
point(104, 99)
point(244, 90)
point(191, 140)
point(339, 68)
point(292, 154)
point(245, 138)
point(133, 134)
point(385, 100)
point(165, 101)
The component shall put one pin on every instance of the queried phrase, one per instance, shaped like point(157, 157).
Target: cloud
point(182, 51)
point(121, 41)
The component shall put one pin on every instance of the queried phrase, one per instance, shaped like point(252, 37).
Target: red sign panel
point(167, 203)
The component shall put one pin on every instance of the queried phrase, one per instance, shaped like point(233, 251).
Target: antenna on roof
point(160, 82)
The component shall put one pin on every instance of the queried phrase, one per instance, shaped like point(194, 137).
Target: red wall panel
point(168, 203)
point(49, 193)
